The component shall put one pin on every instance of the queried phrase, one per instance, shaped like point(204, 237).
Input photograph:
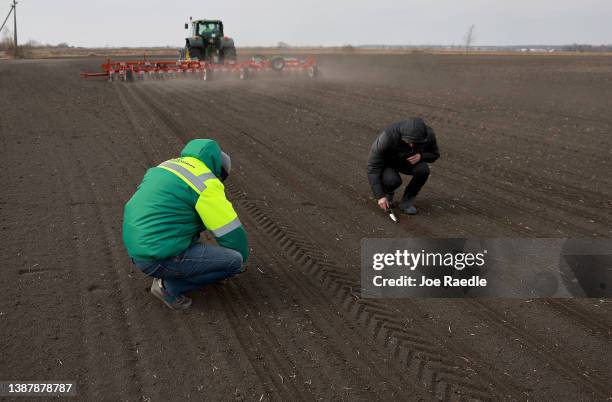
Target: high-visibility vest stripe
point(195, 181)
point(225, 229)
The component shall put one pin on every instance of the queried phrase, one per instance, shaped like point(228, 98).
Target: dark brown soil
point(526, 152)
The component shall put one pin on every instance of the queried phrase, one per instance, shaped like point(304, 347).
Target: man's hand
point(383, 203)
point(414, 159)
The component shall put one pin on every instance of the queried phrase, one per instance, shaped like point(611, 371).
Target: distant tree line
point(577, 47)
point(6, 42)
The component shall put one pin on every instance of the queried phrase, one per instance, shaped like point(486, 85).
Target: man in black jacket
point(405, 147)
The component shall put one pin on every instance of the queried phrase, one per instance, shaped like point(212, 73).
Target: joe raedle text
point(424, 282)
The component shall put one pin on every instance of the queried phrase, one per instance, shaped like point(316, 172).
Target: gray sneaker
point(407, 207)
point(179, 303)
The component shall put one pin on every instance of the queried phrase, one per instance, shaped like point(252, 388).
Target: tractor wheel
point(278, 63)
point(229, 54)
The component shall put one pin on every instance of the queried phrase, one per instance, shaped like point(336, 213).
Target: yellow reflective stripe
point(225, 229)
point(195, 165)
point(214, 208)
point(191, 170)
point(186, 175)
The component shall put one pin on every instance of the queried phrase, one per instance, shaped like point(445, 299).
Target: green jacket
point(176, 201)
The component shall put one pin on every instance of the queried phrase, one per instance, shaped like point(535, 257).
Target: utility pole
point(15, 25)
point(14, 11)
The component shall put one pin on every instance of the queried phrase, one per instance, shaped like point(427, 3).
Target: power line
point(7, 17)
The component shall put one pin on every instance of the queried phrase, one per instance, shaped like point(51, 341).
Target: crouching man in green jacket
point(162, 223)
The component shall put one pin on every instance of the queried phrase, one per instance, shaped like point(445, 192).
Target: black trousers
point(392, 180)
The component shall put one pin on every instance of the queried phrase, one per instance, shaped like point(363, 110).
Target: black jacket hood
point(414, 130)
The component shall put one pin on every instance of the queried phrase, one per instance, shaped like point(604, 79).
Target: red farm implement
point(148, 69)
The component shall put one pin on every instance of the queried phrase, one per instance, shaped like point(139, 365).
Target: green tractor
point(206, 42)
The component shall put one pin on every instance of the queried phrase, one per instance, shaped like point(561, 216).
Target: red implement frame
point(145, 69)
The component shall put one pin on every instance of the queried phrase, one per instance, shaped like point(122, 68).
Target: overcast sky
point(316, 22)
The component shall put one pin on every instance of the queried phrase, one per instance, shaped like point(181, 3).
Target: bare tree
point(6, 40)
point(470, 37)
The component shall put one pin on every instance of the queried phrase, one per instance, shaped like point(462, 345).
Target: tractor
point(206, 42)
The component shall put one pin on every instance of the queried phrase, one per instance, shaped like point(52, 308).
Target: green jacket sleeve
point(236, 240)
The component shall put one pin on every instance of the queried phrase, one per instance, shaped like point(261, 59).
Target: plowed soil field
point(526, 152)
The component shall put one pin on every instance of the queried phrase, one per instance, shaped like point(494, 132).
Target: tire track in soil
point(431, 379)
point(584, 317)
point(337, 336)
point(435, 370)
point(593, 382)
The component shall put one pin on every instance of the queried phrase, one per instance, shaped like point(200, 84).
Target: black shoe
point(407, 205)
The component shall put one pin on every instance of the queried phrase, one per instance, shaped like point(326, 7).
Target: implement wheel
point(244, 74)
point(278, 63)
point(129, 76)
point(312, 71)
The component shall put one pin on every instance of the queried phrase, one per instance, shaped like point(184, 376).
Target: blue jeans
point(197, 266)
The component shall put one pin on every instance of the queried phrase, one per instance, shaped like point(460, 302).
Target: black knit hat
point(414, 130)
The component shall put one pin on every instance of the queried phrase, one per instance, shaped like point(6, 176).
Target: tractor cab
point(207, 42)
point(207, 28)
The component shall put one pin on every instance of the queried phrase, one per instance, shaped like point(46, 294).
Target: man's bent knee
point(391, 179)
point(235, 263)
point(421, 169)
